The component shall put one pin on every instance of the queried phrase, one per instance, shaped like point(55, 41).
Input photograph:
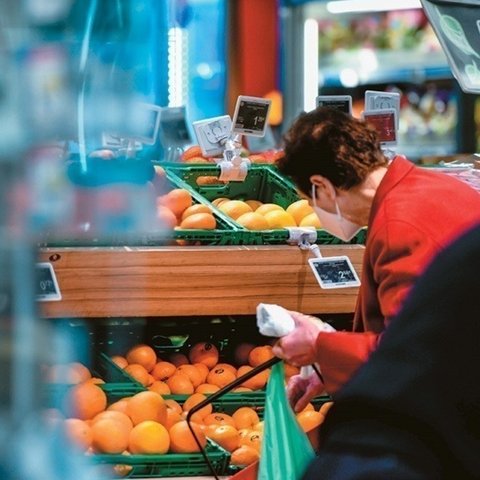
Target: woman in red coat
point(411, 213)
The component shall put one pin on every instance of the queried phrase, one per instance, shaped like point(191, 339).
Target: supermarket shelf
point(175, 281)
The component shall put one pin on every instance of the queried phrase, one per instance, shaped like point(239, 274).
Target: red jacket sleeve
point(340, 354)
point(398, 253)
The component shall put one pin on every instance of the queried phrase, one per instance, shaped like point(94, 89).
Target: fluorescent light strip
point(310, 64)
point(352, 6)
point(176, 67)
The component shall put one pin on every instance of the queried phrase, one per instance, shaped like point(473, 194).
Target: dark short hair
point(333, 144)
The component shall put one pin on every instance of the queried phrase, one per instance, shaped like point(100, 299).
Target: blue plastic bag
point(286, 450)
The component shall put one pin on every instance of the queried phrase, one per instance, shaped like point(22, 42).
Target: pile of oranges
point(255, 215)
point(198, 371)
point(146, 423)
point(194, 154)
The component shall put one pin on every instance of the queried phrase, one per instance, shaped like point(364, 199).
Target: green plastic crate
point(167, 465)
point(262, 183)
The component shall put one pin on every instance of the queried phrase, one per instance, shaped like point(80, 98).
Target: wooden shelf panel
point(130, 282)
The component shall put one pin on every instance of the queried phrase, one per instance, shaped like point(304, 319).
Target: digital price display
point(334, 272)
point(173, 127)
point(339, 102)
point(46, 284)
point(251, 114)
point(384, 122)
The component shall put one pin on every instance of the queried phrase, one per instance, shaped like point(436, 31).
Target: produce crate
point(262, 183)
point(167, 465)
point(118, 384)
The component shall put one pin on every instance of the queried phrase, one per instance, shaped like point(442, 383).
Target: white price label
point(46, 285)
point(334, 272)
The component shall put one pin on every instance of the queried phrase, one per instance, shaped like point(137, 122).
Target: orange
point(109, 436)
point(149, 437)
point(193, 373)
point(253, 204)
point(221, 376)
point(218, 201)
point(241, 352)
point(70, 373)
point(309, 419)
point(160, 387)
point(201, 221)
point(325, 408)
point(290, 370)
point(227, 366)
point(203, 369)
point(86, 400)
point(166, 218)
point(138, 373)
point(308, 407)
point(182, 439)
point(197, 160)
point(259, 427)
point(142, 355)
point(207, 388)
point(172, 417)
point(96, 381)
point(178, 359)
point(260, 355)
point(193, 400)
point(280, 219)
point(119, 406)
point(219, 419)
point(78, 432)
point(268, 207)
point(177, 200)
point(163, 370)
point(191, 152)
point(244, 456)
point(235, 208)
point(243, 432)
point(120, 417)
point(204, 352)
point(257, 158)
point(197, 208)
point(255, 383)
point(174, 405)
point(242, 389)
point(151, 380)
point(245, 417)
point(299, 210)
point(180, 384)
point(208, 180)
point(253, 221)
point(119, 361)
point(225, 435)
point(253, 439)
point(311, 221)
point(147, 406)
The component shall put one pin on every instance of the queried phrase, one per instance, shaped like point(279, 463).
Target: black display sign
point(334, 272)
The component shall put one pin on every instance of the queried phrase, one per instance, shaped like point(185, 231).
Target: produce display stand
point(205, 280)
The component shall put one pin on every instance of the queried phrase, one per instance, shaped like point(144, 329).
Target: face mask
point(334, 223)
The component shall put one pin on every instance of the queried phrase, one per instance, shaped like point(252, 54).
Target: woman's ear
point(323, 187)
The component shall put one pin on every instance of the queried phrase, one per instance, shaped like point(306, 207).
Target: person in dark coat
point(413, 410)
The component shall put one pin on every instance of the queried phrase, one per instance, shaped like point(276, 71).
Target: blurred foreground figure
point(413, 410)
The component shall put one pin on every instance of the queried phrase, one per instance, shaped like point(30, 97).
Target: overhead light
point(310, 64)
point(353, 6)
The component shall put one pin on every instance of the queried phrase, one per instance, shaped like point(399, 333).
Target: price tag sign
point(334, 272)
point(46, 283)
